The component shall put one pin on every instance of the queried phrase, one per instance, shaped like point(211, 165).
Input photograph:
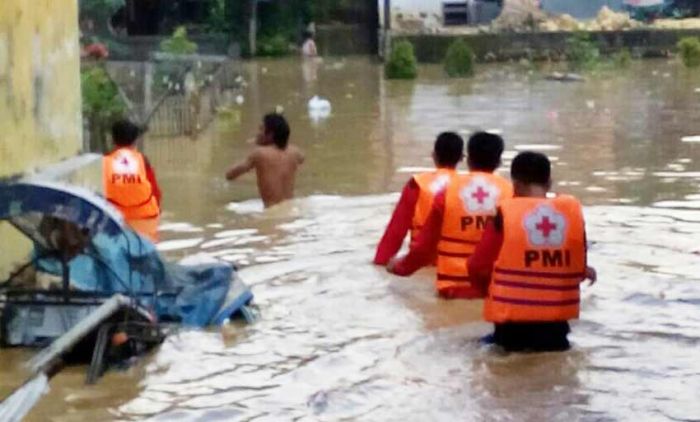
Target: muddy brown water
point(340, 339)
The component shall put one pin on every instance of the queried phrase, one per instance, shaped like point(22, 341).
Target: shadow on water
point(340, 339)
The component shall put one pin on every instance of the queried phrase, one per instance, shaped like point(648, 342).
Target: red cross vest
point(429, 184)
point(126, 184)
point(541, 264)
point(471, 202)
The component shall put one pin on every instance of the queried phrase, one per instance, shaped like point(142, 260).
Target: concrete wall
point(40, 106)
point(546, 45)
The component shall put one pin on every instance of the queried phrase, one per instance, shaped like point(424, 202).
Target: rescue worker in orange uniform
point(458, 218)
point(130, 183)
point(417, 197)
point(532, 257)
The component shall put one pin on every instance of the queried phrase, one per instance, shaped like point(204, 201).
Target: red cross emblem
point(480, 194)
point(546, 226)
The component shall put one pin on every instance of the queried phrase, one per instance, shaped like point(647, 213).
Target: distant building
point(416, 15)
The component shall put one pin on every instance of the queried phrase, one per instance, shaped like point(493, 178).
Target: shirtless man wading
point(275, 162)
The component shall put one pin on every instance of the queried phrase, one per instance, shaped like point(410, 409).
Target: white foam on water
point(296, 225)
point(596, 189)
point(173, 245)
point(234, 233)
point(251, 206)
point(179, 228)
point(199, 259)
point(694, 138)
point(678, 204)
point(687, 174)
point(233, 241)
point(230, 251)
point(266, 259)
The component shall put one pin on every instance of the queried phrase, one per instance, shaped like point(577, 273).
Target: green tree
point(402, 63)
point(689, 49)
point(178, 43)
point(581, 52)
point(102, 104)
point(459, 60)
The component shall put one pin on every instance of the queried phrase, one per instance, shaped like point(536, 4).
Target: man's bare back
point(275, 166)
point(276, 172)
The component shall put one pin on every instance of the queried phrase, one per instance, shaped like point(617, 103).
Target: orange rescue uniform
point(126, 186)
point(429, 184)
point(470, 202)
point(537, 275)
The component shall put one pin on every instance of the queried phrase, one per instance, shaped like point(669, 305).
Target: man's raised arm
point(241, 168)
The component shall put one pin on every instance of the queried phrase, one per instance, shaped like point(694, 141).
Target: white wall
point(414, 14)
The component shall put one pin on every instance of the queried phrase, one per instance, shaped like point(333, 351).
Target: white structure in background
point(427, 15)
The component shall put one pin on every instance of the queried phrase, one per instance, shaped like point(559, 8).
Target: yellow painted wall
point(39, 83)
point(40, 106)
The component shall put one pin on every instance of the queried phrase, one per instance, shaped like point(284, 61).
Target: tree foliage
point(402, 63)
point(102, 104)
point(459, 60)
point(581, 52)
point(178, 43)
point(689, 49)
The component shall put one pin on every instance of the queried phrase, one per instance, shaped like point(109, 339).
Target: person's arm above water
point(422, 251)
point(151, 176)
point(591, 273)
point(399, 224)
point(241, 168)
point(486, 253)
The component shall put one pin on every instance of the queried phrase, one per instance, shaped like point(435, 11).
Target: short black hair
point(125, 133)
point(449, 149)
point(277, 125)
point(531, 168)
point(484, 151)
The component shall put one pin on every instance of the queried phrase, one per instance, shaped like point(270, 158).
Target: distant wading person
point(274, 160)
point(130, 182)
point(308, 48)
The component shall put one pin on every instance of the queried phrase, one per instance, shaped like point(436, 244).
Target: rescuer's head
point(484, 152)
point(531, 169)
point(125, 133)
point(448, 150)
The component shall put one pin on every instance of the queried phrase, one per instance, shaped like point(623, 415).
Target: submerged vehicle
point(93, 290)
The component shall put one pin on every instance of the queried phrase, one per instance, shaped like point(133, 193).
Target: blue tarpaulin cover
point(116, 259)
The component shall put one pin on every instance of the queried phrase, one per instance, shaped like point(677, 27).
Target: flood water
point(340, 339)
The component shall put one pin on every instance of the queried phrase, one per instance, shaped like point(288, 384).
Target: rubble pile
point(607, 20)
